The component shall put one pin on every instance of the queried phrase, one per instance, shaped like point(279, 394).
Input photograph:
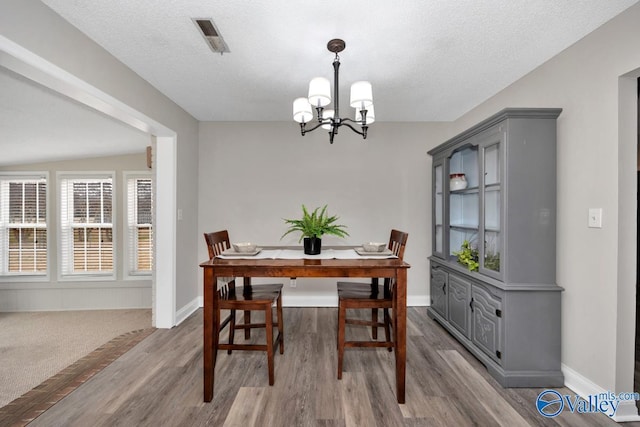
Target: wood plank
point(357, 407)
point(246, 407)
point(478, 388)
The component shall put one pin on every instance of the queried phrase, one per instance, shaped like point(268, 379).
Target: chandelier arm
point(364, 129)
point(315, 127)
point(358, 122)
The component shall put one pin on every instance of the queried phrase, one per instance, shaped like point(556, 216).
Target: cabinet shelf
point(468, 227)
point(468, 190)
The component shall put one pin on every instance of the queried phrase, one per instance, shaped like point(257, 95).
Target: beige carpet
point(36, 346)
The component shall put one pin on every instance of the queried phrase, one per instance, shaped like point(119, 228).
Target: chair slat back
point(218, 242)
point(397, 243)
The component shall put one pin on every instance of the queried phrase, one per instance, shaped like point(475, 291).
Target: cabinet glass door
point(463, 199)
point(491, 192)
point(438, 206)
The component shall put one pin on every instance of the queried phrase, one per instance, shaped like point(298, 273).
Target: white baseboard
point(418, 301)
point(324, 300)
point(580, 385)
point(584, 387)
point(188, 310)
point(627, 412)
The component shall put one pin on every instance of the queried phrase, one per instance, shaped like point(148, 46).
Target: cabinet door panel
point(459, 298)
point(438, 208)
point(491, 190)
point(438, 291)
point(487, 323)
point(463, 204)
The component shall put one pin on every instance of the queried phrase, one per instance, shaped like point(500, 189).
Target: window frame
point(63, 275)
point(28, 276)
point(129, 271)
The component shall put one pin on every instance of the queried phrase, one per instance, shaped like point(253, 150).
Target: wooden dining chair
point(369, 296)
point(251, 298)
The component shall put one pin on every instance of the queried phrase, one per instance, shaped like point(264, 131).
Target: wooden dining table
point(293, 268)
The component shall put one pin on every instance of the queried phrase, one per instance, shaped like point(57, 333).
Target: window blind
point(86, 223)
point(23, 224)
point(139, 220)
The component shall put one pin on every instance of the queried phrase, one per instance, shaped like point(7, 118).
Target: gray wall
point(77, 295)
point(253, 175)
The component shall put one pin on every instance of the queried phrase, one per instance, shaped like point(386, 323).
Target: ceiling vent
point(211, 35)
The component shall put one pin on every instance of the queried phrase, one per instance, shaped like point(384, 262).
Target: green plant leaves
point(315, 224)
point(468, 256)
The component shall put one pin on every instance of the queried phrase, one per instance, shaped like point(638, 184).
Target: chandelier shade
point(319, 92)
point(320, 96)
point(302, 110)
point(361, 95)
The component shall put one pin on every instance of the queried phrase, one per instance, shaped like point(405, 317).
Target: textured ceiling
point(428, 60)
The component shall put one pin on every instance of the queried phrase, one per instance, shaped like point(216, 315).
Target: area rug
point(30, 405)
point(35, 346)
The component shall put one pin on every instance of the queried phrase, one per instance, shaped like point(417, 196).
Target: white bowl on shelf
point(244, 247)
point(373, 246)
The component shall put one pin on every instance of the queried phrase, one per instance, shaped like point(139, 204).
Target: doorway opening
point(33, 67)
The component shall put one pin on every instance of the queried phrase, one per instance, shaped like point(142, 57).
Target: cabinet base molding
point(506, 378)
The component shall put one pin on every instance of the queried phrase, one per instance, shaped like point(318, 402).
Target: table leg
point(400, 313)
point(209, 335)
point(246, 288)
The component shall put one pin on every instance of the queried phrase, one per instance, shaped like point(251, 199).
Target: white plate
point(231, 252)
point(385, 252)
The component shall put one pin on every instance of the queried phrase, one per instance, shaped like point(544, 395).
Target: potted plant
point(312, 226)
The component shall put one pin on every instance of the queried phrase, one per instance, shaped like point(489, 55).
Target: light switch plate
point(595, 217)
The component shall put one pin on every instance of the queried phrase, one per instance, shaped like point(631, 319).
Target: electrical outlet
point(595, 217)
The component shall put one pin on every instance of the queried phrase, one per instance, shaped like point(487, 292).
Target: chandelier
point(320, 96)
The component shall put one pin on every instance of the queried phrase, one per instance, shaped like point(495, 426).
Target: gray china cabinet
point(494, 192)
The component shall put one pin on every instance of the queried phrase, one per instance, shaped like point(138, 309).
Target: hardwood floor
point(159, 382)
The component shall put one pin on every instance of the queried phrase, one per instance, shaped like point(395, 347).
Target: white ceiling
point(428, 60)
point(38, 124)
